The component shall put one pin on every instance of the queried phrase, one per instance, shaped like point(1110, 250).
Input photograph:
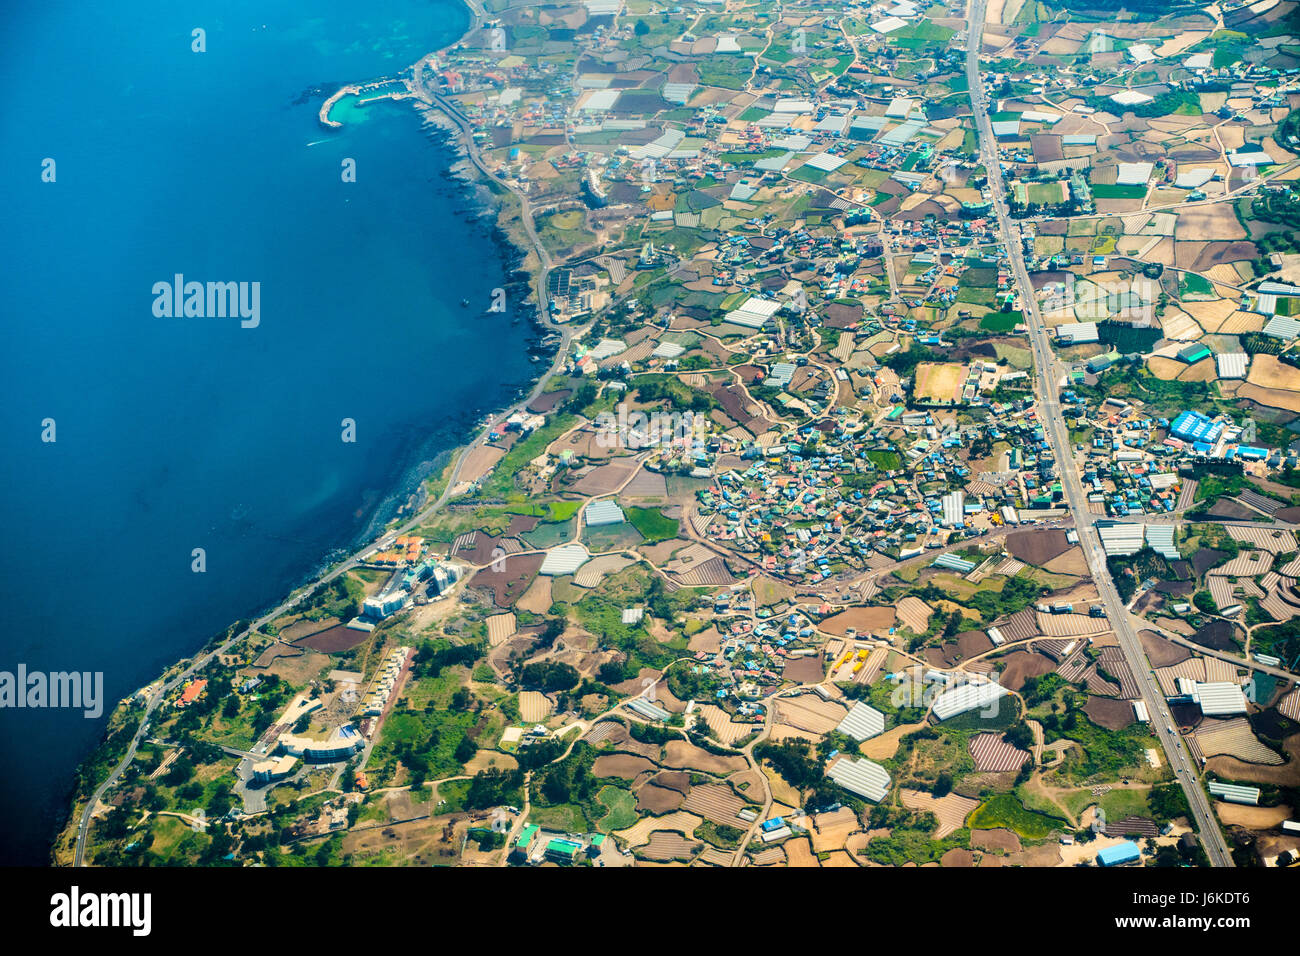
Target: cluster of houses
point(803, 506)
point(1132, 461)
point(753, 655)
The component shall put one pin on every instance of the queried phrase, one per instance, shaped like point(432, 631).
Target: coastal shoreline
point(407, 501)
point(353, 89)
point(411, 492)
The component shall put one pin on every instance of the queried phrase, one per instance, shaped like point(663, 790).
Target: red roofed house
point(191, 692)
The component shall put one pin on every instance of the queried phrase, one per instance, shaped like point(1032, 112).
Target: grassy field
point(550, 511)
point(1004, 810)
point(1115, 191)
point(1117, 804)
point(1001, 321)
point(622, 809)
point(976, 295)
point(652, 524)
point(565, 816)
point(885, 460)
point(1047, 194)
point(1016, 357)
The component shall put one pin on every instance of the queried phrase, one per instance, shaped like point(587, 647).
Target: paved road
point(1049, 411)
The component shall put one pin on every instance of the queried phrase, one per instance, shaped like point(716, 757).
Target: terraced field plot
point(1234, 738)
point(627, 766)
point(667, 845)
point(680, 822)
point(992, 753)
point(501, 627)
point(831, 830)
point(717, 803)
point(809, 712)
point(1071, 625)
point(657, 800)
point(951, 810)
point(914, 614)
point(724, 728)
point(680, 754)
point(534, 706)
point(1278, 541)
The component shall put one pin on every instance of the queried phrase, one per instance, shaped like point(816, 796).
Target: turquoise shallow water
point(180, 433)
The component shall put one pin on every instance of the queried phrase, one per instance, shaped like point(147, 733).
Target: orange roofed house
point(191, 692)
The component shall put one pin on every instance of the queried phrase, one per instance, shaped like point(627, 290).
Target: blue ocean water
point(183, 433)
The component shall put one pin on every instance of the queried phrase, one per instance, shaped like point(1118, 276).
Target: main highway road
point(1049, 412)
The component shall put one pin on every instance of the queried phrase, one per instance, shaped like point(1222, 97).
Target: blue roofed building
point(1195, 427)
point(1119, 854)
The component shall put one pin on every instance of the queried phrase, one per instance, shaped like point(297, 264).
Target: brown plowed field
point(678, 780)
point(626, 766)
point(619, 737)
point(804, 670)
point(1020, 665)
point(998, 839)
point(1286, 775)
point(511, 581)
point(1037, 546)
point(1109, 713)
point(1161, 652)
point(715, 803)
point(657, 800)
point(862, 618)
point(334, 640)
point(679, 753)
point(606, 478)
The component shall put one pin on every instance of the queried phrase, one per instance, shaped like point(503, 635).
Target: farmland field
point(1267, 372)
point(1001, 321)
point(1004, 810)
point(1112, 191)
point(653, 524)
point(622, 809)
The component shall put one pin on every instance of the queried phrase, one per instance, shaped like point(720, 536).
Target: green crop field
point(1004, 810)
point(1001, 321)
point(652, 524)
point(885, 460)
point(622, 809)
point(1115, 191)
